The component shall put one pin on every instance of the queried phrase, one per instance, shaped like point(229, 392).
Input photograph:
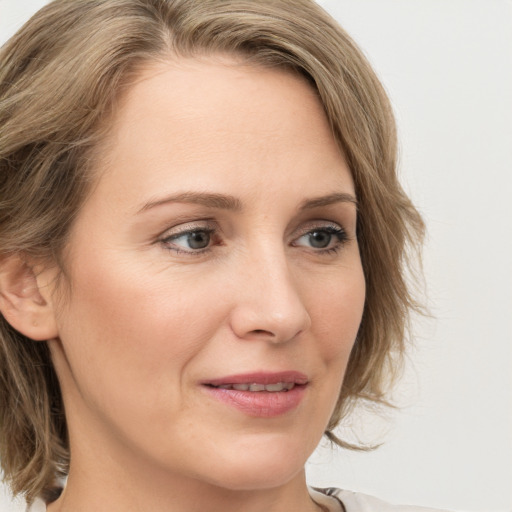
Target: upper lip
point(260, 378)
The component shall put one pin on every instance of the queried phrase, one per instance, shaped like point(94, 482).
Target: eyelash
point(332, 229)
point(209, 230)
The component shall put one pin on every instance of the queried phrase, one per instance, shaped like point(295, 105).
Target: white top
point(335, 500)
point(338, 500)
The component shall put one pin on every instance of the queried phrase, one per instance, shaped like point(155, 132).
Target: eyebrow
point(220, 201)
point(227, 202)
point(318, 202)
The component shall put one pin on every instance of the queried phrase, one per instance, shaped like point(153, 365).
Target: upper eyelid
point(187, 227)
point(319, 223)
point(334, 229)
point(180, 234)
point(212, 225)
point(167, 240)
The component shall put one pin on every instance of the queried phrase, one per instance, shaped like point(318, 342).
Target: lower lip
point(261, 404)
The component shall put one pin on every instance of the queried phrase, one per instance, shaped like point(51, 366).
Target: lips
point(271, 388)
point(259, 394)
point(264, 378)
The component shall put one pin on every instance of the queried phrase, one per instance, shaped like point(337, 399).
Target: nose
point(268, 305)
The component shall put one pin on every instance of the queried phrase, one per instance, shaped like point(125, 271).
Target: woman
point(202, 250)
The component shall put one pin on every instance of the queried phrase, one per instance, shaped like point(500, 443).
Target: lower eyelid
point(339, 236)
point(182, 234)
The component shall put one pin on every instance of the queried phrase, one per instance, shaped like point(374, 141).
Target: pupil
point(320, 239)
point(199, 240)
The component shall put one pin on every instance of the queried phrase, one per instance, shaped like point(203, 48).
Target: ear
point(25, 298)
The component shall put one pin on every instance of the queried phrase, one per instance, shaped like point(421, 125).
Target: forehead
point(219, 87)
point(219, 119)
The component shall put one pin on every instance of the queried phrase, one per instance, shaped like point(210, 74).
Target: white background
point(447, 65)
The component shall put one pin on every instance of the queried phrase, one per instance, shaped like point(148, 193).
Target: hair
point(60, 77)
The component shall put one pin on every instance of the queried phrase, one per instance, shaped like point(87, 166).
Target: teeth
point(241, 387)
point(275, 387)
point(256, 387)
point(278, 386)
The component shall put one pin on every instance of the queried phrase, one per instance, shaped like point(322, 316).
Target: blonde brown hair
point(60, 76)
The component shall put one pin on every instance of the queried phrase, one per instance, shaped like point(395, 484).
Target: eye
point(320, 239)
point(191, 240)
point(323, 238)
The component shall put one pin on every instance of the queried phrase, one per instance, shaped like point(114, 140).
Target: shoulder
point(351, 501)
point(359, 502)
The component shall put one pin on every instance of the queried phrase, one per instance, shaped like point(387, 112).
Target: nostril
point(262, 331)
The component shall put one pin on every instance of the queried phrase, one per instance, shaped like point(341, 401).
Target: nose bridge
point(270, 304)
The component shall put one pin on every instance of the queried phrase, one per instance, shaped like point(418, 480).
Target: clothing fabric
point(334, 500)
point(338, 500)
point(37, 506)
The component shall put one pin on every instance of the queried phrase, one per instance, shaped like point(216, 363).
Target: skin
point(145, 317)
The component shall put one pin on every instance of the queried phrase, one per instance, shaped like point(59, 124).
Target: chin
point(257, 479)
point(260, 466)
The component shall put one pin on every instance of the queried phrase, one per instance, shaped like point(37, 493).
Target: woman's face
point(216, 287)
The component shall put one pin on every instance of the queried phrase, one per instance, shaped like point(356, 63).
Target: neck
point(177, 495)
point(101, 481)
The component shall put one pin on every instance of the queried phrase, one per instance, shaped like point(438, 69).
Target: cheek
point(338, 323)
point(133, 330)
point(137, 301)
point(336, 311)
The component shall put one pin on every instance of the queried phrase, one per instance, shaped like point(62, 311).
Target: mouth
point(260, 381)
point(263, 395)
point(257, 387)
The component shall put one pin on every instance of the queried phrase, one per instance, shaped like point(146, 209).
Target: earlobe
point(23, 303)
